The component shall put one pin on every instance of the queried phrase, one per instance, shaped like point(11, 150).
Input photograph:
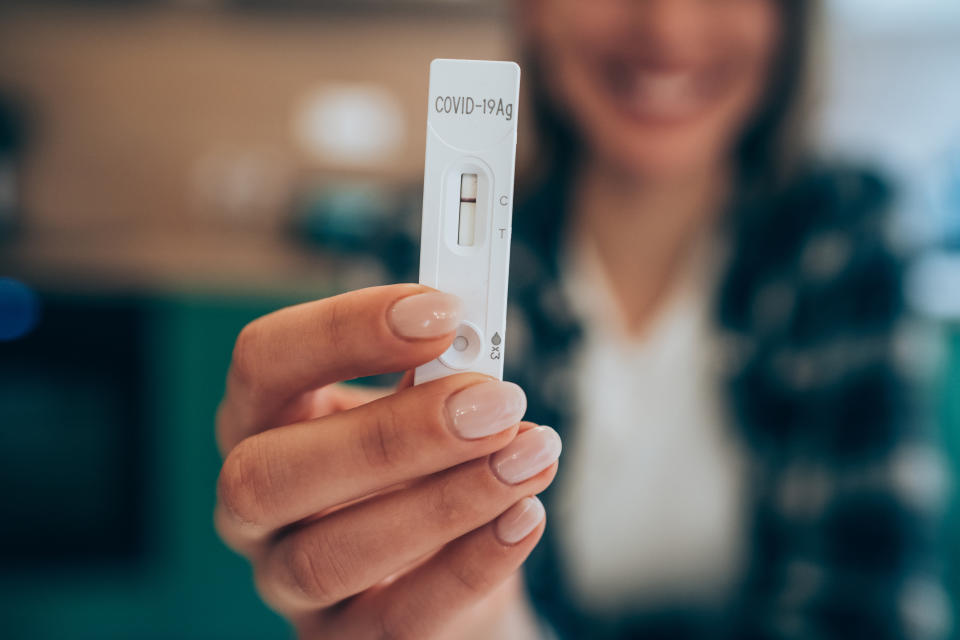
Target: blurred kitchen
point(172, 169)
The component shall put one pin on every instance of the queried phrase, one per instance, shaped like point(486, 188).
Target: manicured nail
point(486, 408)
point(530, 453)
point(425, 315)
point(518, 521)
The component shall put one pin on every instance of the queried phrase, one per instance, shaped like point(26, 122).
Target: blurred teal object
point(19, 309)
point(950, 418)
point(348, 217)
point(952, 199)
point(363, 219)
point(185, 584)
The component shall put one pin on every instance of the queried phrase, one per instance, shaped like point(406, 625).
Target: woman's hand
point(376, 514)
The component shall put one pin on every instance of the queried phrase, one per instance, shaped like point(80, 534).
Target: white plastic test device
point(468, 205)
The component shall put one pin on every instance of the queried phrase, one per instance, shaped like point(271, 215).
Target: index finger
point(367, 332)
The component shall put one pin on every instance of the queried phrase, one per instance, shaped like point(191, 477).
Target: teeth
point(671, 85)
point(663, 94)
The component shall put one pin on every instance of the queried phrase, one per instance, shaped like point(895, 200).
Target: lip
point(656, 93)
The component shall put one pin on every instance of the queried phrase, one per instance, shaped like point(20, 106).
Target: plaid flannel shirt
point(842, 470)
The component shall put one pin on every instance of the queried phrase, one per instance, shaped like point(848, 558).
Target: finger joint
point(245, 362)
point(243, 486)
point(318, 571)
point(381, 441)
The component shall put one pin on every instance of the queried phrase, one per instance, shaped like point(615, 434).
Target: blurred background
point(169, 170)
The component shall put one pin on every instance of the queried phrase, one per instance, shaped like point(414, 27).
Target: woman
point(707, 320)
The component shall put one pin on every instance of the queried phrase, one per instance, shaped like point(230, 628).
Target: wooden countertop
point(230, 264)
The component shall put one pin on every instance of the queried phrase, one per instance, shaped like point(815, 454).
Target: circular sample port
point(465, 348)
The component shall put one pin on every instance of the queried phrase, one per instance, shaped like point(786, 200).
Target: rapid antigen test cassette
point(468, 205)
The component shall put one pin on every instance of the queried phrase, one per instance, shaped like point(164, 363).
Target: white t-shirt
point(651, 501)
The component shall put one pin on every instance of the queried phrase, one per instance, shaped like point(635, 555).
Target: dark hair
point(771, 145)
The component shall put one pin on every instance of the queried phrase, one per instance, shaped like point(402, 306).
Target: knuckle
point(242, 485)
point(469, 493)
point(266, 587)
point(381, 441)
point(472, 576)
point(245, 358)
point(394, 623)
point(318, 571)
point(306, 578)
point(447, 502)
point(333, 325)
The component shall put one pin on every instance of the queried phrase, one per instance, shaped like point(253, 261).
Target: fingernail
point(486, 408)
point(425, 315)
point(530, 453)
point(518, 521)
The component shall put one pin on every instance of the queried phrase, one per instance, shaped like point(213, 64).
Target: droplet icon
point(496, 339)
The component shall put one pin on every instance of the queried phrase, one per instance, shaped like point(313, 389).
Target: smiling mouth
point(661, 94)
